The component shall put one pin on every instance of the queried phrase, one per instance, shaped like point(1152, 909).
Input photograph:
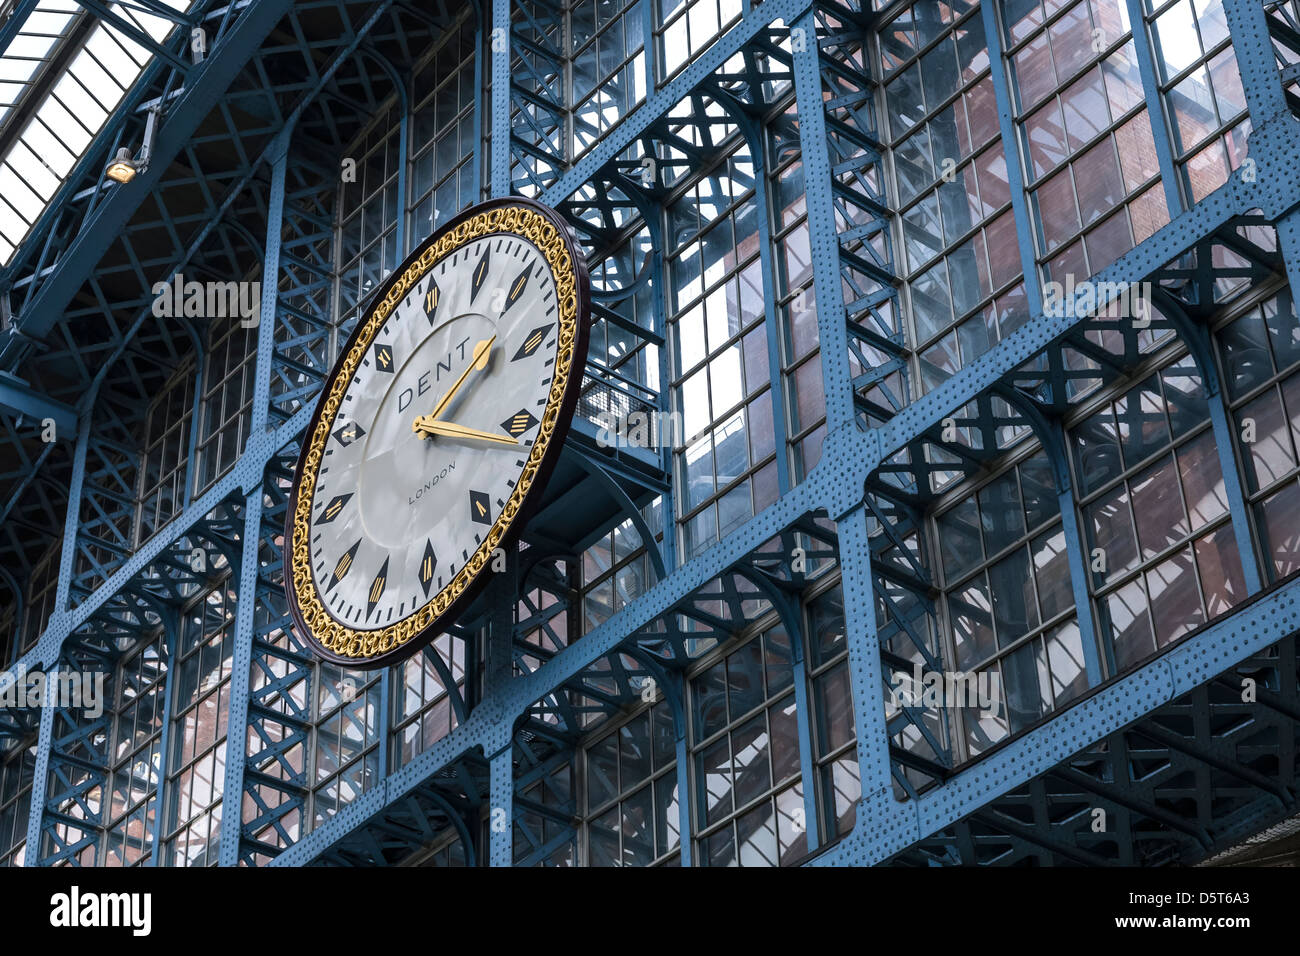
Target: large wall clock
point(436, 432)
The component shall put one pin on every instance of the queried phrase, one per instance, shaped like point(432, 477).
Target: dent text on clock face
point(423, 384)
point(433, 431)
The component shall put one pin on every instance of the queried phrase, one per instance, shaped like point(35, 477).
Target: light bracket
point(123, 168)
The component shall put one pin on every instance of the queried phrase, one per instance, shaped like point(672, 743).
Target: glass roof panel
point(32, 46)
point(73, 108)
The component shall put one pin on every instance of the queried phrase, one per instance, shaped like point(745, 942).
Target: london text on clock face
point(436, 431)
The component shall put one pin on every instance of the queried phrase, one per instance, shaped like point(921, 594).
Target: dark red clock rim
point(532, 497)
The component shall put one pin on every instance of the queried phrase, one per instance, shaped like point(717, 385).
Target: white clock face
point(434, 431)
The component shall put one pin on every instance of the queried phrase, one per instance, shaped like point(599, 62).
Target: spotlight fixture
point(123, 168)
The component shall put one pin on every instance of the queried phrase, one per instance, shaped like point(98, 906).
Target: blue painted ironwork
point(890, 456)
point(251, 538)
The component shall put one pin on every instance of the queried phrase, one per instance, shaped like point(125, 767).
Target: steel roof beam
point(102, 227)
point(133, 32)
point(20, 398)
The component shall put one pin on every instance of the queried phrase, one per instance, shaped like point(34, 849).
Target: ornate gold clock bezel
point(334, 640)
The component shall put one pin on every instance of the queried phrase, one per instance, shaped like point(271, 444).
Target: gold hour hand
point(482, 352)
point(430, 425)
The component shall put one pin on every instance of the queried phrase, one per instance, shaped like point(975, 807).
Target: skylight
point(74, 107)
point(32, 47)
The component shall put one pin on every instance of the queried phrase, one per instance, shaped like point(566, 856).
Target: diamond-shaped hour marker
point(427, 564)
point(333, 508)
point(517, 287)
point(480, 507)
point(347, 434)
point(518, 423)
point(431, 301)
point(377, 589)
point(480, 273)
point(343, 567)
point(384, 358)
point(534, 339)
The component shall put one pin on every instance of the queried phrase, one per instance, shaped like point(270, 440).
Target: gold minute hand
point(431, 426)
point(482, 352)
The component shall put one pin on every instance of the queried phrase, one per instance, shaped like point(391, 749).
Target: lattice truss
point(1166, 789)
point(243, 182)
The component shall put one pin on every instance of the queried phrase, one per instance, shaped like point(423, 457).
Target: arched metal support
point(449, 682)
point(458, 822)
point(620, 497)
point(400, 83)
point(1197, 339)
point(673, 682)
point(779, 592)
point(1051, 437)
point(897, 518)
